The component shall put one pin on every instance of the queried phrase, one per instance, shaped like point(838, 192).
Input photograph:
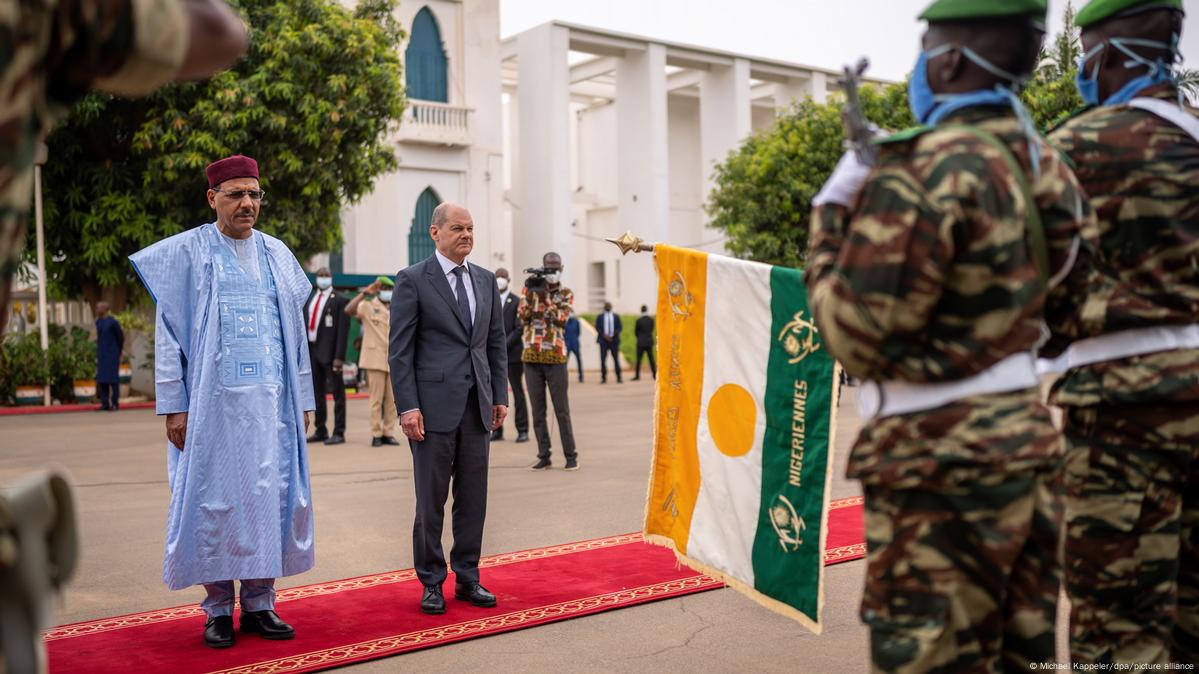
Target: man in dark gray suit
point(449, 372)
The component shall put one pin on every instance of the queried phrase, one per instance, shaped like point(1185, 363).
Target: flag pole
point(630, 243)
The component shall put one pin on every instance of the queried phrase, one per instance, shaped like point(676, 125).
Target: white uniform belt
point(885, 399)
point(1123, 344)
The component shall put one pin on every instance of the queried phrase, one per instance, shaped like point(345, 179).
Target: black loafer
point(475, 594)
point(317, 438)
point(388, 440)
point(522, 437)
point(218, 631)
point(267, 624)
point(335, 440)
point(376, 442)
point(431, 601)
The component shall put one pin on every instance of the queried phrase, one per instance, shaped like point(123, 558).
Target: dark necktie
point(463, 302)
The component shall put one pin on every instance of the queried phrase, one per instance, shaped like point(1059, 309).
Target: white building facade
point(560, 136)
point(449, 143)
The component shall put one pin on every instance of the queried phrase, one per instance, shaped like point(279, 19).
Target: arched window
point(420, 246)
point(424, 60)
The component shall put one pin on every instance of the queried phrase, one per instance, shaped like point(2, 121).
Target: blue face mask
point(921, 98)
point(930, 108)
point(1088, 83)
point(1159, 71)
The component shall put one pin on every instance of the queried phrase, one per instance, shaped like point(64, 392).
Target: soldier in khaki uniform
point(373, 307)
point(54, 50)
point(929, 275)
point(1131, 388)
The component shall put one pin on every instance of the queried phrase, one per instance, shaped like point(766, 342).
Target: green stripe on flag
point(787, 557)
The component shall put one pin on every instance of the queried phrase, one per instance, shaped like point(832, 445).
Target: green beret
point(1097, 11)
point(386, 280)
point(954, 10)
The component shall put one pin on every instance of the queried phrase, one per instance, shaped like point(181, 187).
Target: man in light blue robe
point(234, 382)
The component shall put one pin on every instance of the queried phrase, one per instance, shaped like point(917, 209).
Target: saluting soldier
point(1131, 392)
point(929, 282)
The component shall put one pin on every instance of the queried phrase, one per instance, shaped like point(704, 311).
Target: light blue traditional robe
point(231, 351)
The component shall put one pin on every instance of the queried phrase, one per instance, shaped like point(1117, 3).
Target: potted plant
point(83, 365)
point(28, 369)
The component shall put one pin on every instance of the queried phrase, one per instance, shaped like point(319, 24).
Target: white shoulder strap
point(1170, 112)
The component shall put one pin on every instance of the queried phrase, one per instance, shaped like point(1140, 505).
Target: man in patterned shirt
point(928, 276)
point(544, 314)
point(55, 50)
point(1131, 388)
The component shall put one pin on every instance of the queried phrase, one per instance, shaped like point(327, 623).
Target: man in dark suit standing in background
point(448, 362)
point(328, 328)
point(608, 328)
point(110, 341)
point(513, 331)
point(644, 329)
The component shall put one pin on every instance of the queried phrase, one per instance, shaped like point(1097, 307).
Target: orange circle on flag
point(731, 418)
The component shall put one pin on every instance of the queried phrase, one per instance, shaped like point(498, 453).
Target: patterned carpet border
point(831, 556)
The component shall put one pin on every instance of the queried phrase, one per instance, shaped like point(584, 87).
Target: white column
point(643, 166)
point(725, 116)
point(819, 87)
point(788, 93)
point(541, 220)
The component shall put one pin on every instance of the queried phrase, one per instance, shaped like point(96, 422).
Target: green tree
point(313, 102)
point(763, 190)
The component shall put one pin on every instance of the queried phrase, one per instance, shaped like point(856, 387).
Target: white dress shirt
point(317, 306)
point(448, 266)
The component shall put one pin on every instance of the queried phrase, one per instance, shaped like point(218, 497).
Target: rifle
point(859, 131)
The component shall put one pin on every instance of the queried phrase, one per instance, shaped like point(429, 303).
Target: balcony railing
point(435, 124)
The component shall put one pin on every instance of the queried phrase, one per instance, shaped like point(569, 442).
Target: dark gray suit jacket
point(433, 362)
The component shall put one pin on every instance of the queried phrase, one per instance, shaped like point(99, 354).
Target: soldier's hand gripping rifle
point(851, 171)
point(859, 131)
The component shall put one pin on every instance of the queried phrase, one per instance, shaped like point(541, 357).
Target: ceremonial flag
point(742, 437)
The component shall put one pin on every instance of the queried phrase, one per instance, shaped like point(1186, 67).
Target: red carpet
point(370, 617)
point(91, 407)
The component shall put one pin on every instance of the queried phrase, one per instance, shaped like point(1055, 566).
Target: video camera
point(536, 281)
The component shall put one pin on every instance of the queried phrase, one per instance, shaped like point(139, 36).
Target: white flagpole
point(42, 317)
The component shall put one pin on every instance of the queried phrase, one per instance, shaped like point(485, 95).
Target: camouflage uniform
point(1132, 425)
point(51, 51)
point(932, 281)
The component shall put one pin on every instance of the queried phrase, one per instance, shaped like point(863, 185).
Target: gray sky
point(826, 33)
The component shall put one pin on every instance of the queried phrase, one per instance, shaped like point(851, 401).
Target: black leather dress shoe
point(376, 442)
point(497, 435)
point(388, 440)
point(267, 624)
point(218, 631)
point(431, 600)
point(317, 437)
point(522, 437)
point(335, 440)
point(475, 594)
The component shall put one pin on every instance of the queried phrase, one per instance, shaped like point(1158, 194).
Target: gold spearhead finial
point(629, 243)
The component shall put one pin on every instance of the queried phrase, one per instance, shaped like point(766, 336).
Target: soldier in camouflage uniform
point(931, 283)
point(52, 51)
point(1131, 392)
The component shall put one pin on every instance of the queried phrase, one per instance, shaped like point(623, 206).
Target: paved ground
point(364, 501)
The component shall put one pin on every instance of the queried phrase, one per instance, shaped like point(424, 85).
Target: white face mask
point(502, 283)
point(552, 278)
point(324, 282)
point(385, 295)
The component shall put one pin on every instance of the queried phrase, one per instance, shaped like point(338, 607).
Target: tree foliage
point(313, 102)
point(763, 190)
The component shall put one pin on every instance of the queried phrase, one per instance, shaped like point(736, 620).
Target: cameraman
point(544, 308)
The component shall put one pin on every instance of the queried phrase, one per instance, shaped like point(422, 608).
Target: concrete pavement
point(364, 504)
